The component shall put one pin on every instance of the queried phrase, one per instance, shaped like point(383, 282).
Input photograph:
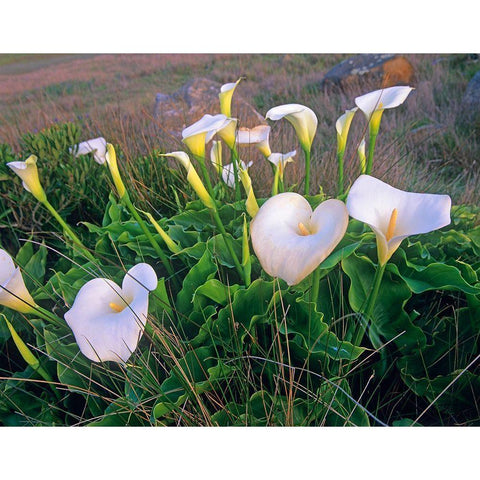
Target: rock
point(469, 112)
point(196, 98)
point(376, 70)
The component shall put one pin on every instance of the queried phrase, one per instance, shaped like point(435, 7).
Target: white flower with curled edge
point(216, 156)
point(395, 214)
point(228, 173)
point(96, 145)
point(197, 135)
point(13, 292)
point(280, 160)
point(372, 105)
point(225, 97)
point(305, 123)
point(28, 172)
point(290, 240)
point(342, 126)
point(108, 321)
point(256, 136)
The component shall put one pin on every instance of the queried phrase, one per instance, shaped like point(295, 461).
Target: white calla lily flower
point(257, 136)
point(108, 321)
point(216, 156)
point(13, 292)
point(395, 214)
point(225, 97)
point(96, 145)
point(197, 135)
point(342, 126)
point(228, 172)
point(379, 100)
point(361, 156)
point(28, 172)
point(290, 240)
point(301, 117)
point(281, 159)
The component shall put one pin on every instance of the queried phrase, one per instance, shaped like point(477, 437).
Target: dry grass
point(419, 146)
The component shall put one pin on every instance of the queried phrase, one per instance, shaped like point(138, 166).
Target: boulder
point(196, 98)
point(372, 70)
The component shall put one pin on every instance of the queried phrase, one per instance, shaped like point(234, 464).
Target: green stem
point(367, 313)
point(48, 316)
point(205, 175)
point(68, 231)
point(275, 181)
point(235, 160)
point(340, 172)
point(220, 226)
point(306, 153)
point(165, 260)
point(371, 148)
point(315, 285)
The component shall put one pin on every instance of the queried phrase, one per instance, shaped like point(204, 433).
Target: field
point(364, 338)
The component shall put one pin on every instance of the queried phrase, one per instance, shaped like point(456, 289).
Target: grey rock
point(196, 98)
point(376, 70)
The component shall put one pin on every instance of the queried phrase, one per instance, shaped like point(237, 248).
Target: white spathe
point(202, 131)
point(301, 117)
point(257, 136)
point(96, 145)
point(390, 97)
point(373, 202)
point(28, 172)
point(281, 159)
point(228, 172)
point(290, 240)
point(108, 321)
point(13, 292)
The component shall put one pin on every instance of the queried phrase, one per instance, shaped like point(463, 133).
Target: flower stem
point(340, 172)
point(68, 231)
point(165, 260)
point(275, 181)
point(367, 313)
point(371, 148)
point(235, 159)
point(306, 153)
point(315, 285)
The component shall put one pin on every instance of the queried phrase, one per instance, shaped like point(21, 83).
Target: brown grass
point(418, 148)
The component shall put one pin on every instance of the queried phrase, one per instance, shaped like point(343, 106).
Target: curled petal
point(257, 136)
point(28, 172)
point(108, 321)
point(290, 240)
point(13, 292)
point(373, 202)
point(380, 99)
point(301, 117)
point(96, 145)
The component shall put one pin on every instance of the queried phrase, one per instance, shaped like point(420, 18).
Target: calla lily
point(228, 172)
point(281, 159)
point(216, 156)
point(302, 118)
point(108, 321)
point(28, 172)
point(257, 136)
point(251, 202)
point(290, 240)
point(225, 97)
point(13, 292)
point(374, 103)
point(111, 159)
point(193, 178)
point(201, 132)
point(343, 126)
point(361, 156)
point(395, 214)
point(228, 132)
point(96, 145)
